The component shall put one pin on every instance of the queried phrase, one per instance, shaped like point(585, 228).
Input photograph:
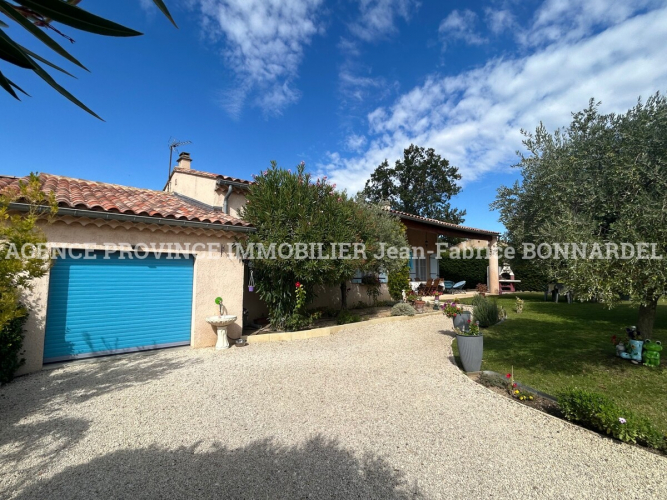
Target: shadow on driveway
point(317, 469)
point(30, 420)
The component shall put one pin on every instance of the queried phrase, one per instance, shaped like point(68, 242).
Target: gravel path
point(377, 412)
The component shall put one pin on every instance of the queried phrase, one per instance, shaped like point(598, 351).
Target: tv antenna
point(175, 144)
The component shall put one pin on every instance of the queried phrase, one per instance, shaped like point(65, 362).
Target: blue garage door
point(110, 304)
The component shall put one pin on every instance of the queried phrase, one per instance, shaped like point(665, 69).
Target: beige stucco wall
point(203, 189)
point(213, 277)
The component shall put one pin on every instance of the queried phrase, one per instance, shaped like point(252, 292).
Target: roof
point(114, 198)
point(211, 175)
point(440, 223)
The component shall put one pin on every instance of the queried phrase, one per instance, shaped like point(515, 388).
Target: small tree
point(399, 280)
point(601, 182)
point(19, 268)
point(422, 183)
point(292, 207)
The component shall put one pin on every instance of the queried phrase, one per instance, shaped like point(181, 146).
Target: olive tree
point(602, 182)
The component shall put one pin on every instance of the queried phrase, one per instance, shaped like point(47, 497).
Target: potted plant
point(419, 304)
point(411, 296)
point(436, 300)
point(460, 316)
point(471, 346)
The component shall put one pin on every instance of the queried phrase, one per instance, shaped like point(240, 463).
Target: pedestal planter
point(471, 349)
point(461, 321)
point(419, 306)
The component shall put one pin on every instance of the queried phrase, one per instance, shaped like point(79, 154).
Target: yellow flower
point(530, 397)
point(522, 398)
point(516, 392)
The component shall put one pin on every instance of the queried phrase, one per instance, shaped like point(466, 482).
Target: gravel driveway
point(376, 412)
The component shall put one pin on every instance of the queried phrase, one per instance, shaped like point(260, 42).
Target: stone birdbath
point(220, 323)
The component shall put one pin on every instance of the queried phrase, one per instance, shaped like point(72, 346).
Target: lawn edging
point(327, 330)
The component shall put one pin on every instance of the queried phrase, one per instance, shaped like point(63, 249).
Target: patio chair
point(423, 289)
point(435, 286)
point(458, 287)
point(448, 286)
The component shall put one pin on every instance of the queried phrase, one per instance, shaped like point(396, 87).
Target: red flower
point(509, 375)
point(468, 321)
point(514, 384)
point(298, 284)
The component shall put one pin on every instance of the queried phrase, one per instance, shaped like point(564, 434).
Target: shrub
point(402, 309)
point(470, 270)
point(485, 311)
point(345, 317)
point(600, 413)
point(11, 342)
point(397, 281)
point(478, 299)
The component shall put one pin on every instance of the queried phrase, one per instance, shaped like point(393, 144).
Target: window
point(420, 269)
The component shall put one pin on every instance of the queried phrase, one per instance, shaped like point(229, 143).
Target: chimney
point(184, 160)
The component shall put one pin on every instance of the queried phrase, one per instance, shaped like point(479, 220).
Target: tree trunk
point(343, 295)
point(647, 318)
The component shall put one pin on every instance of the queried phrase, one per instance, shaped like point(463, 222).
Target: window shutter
point(413, 268)
point(434, 266)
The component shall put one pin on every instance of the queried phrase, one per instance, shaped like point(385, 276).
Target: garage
point(106, 303)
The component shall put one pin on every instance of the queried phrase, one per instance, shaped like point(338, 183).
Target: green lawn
point(554, 346)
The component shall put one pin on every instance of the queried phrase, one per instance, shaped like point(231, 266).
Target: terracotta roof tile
point(441, 223)
point(100, 196)
point(211, 175)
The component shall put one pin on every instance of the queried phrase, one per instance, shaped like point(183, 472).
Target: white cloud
point(499, 20)
point(356, 88)
point(377, 18)
point(264, 42)
point(473, 118)
point(355, 142)
point(569, 20)
point(460, 25)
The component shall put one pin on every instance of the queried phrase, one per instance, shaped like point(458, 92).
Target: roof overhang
point(145, 219)
point(444, 228)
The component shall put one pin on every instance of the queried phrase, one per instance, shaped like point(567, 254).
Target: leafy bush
point(477, 299)
point(11, 342)
point(345, 317)
point(297, 321)
point(600, 413)
point(402, 309)
point(397, 281)
point(485, 311)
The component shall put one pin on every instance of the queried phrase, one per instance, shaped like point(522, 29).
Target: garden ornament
point(652, 353)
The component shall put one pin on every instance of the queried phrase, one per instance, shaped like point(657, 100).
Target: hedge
point(473, 271)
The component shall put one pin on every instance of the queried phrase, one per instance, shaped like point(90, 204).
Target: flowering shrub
point(598, 412)
point(472, 330)
point(300, 297)
point(411, 296)
point(451, 309)
point(519, 305)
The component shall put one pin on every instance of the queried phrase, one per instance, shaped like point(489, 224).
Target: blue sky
point(339, 84)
